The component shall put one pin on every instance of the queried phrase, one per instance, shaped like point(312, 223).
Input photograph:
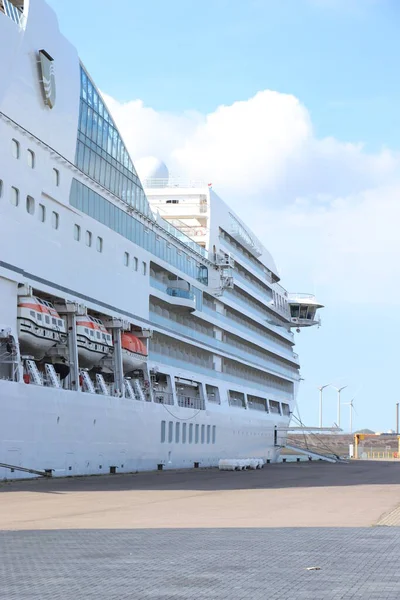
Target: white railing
point(190, 402)
point(173, 182)
point(294, 297)
point(11, 11)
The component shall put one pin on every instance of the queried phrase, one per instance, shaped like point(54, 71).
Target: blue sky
point(313, 160)
point(339, 57)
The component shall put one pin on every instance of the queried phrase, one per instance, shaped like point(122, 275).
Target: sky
point(291, 109)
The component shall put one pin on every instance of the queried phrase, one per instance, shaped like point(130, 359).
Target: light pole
point(321, 388)
point(338, 405)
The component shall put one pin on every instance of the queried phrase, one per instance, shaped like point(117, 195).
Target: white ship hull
point(72, 433)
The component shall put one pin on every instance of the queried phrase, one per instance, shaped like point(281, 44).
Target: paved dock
point(205, 534)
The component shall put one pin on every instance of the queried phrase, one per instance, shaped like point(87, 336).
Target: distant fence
point(378, 454)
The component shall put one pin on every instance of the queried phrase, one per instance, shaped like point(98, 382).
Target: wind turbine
point(321, 388)
point(338, 406)
point(351, 412)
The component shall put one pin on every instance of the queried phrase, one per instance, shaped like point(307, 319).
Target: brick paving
point(267, 564)
point(205, 534)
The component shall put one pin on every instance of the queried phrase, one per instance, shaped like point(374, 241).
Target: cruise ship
point(142, 323)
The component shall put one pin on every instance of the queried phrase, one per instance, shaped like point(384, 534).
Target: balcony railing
point(161, 397)
point(11, 11)
point(173, 182)
point(191, 402)
point(179, 293)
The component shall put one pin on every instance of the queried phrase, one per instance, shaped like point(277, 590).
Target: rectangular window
point(196, 434)
point(99, 244)
point(126, 259)
point(56, 177)
point(203, 433)
point(55, 220)
point(177, 432)
point(208, 434)
point(190, 433)
point(170, 431)
point(31, 159)
point(30, 205)
point(163, 424)
point(14, 196)
point(88, 238)
point(42, 213)
point(15, 148)
point(144, 268)
point(183, 433)
point(77, 232)
point(214, 434)
point(135, 263)
point(47, 319)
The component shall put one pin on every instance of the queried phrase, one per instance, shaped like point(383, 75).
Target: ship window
point(56, 177)
point(60, 322)
point(54, 321)
point(144, 267)
point(183, 433)
point(203, 430)
point(47, 319)
point(135, 263)
point(31, 159)
point(214, 432)
point(30, 205)
point(285, 409)
point(39, 316)
point(163, 424)
point(77, 232)
point(177, 432)
point(15, 148)
point(196, 434)
point(99, 244)
point(170, 431)
point(1, 188)
point(55, 219)
point(42, 213)
point(208, 434)
point(32, 313)
point(86, 330)
point(190, 433)
point(14, 196)
point(126, 259)
point(91, 333)
point(88, 238)
point(98, 335)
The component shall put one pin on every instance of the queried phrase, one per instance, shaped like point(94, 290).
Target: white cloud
point(326, 209)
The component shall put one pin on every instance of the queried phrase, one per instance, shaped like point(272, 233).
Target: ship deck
point(205, 534)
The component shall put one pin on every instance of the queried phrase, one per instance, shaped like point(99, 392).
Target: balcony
point(180, 298)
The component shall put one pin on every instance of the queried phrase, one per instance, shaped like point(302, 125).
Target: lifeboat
point(134, 352)
point(40, 327)
point(93, 340)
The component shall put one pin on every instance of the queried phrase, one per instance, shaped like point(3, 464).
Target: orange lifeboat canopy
point(133, 344)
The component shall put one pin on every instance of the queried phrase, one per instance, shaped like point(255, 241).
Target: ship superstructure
point(140, 327)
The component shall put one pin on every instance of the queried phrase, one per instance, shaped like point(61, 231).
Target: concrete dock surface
point(317, 494)
point(205, 534)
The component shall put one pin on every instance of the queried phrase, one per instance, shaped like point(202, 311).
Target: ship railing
point(293, 297)
point(191, 402)
point(11, 11)
point(173, 182)
point(180, 293)
point(161, 397)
